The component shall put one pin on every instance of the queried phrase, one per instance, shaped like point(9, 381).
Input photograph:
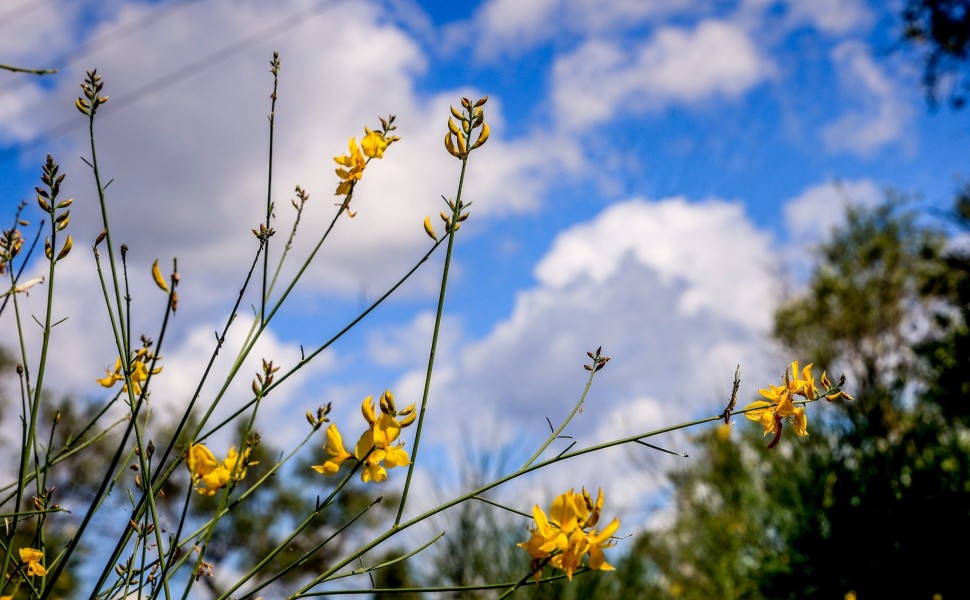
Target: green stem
point(269, 183)
point(555, 434)
point(456, 209)
point(397, 528)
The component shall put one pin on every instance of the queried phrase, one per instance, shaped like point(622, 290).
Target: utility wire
point(122, 101)
point(21, 10)
point(146, 20)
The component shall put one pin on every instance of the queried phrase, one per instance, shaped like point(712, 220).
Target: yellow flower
point(336, 452)
point(805, 386)
point(566, 535)
point(210, 475)
point(354, 163)
point(376, 447)
point(373, 144)
point(138, 368)
point(779, 405)
point(33, 557)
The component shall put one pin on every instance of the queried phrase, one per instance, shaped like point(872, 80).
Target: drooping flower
point(210, 474)
point(33, 557)
point(566, 535)
point(378, 447)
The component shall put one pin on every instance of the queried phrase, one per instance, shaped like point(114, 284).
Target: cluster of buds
point(459, 212)
point(320, 417)
point(47, 200)
point(458, 140)
point(10, 244)
point(92, 99)
point(265, 379)
point(599, 361)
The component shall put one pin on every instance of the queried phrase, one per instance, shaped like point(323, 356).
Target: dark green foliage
point(941, 29)
point(873, 500)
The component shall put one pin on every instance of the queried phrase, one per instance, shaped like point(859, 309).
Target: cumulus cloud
point(880, 115)
point(604, 79)
point(676, 292)
point(188, 157)
point(189, 171)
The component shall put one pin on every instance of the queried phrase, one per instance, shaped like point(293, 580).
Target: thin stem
point(269, 182)
point(279, 380)
point(453, 226)
point(555, 434)
point(397, 528)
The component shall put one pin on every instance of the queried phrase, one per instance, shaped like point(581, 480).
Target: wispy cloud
point(881, 114)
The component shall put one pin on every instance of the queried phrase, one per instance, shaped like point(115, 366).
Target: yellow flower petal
point(800, 422)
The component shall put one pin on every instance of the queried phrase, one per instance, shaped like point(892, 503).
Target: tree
point(941, 30)
point(864, 502)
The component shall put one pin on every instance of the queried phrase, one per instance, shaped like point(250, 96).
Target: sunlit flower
point(33, 557)
point(804, 385)
point(378, 447)
point(336, 453)
point(779, 405)
point(352, 164)
point(138, 371)
point(209, 474)
point(565, 536)
point(373, 144)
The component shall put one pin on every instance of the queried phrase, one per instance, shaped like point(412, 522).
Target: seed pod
point(429, 229)
point(450, 146)
point(66, 248)
point(157, 276)
point(453, 127)
point(483, 136)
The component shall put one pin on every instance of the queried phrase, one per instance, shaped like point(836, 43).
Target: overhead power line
point(104, 40)
point(124, 100)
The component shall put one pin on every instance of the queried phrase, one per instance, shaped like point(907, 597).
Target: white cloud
point(829, 16)
point(812, 214)
point(676, 293)
point(881, 114)
point(603, 80)
point(672, 239)
point(188, 160)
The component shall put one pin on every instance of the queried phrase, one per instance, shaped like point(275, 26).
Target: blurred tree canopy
point(941, 30)
point(866, 503)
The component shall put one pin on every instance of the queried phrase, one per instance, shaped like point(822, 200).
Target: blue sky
point(656, 174)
